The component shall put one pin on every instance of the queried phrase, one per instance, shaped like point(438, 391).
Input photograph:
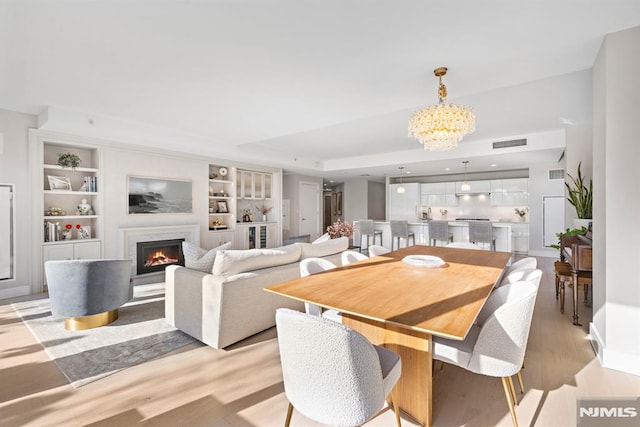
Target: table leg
point(414, 348)
point(575, 298)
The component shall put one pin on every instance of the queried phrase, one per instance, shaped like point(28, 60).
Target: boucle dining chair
point(496, 347)
point(309, 266)
point(524, 263)
point(333, 374)
point(377, 250)
point(348, 257)
point(400, 231)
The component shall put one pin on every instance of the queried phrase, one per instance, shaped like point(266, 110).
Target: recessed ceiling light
point(331, 181)
point(408, 172)
point(494, 165)
point(447, 169)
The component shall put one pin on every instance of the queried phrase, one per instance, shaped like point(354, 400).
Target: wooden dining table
point(401, 305)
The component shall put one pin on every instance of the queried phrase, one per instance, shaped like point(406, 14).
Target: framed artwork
point(222, 206)
point(59, 183)
point(83, 231)
point(159, 196)
point(339, 203)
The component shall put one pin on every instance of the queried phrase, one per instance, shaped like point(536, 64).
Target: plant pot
point(580, 222)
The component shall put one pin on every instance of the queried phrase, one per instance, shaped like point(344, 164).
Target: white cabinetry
point(404, 205)
point(222, 201)
point(510, 192)
point(438, 194)
point(477, 187)
point(72, 250)
point(254, 185)
point(255, 236)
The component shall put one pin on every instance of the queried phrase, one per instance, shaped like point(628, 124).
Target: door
point(309, 209)
point(6, 232)
point(553, 219)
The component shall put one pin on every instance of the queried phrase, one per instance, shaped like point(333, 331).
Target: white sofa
point(230, 304)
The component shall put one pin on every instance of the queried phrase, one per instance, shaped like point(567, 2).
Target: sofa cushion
point(322, 249)
point(201, 259)
point(240, 261)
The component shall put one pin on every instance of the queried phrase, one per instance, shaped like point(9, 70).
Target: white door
point(553, 219)
point(6, 235)
point(310, 209)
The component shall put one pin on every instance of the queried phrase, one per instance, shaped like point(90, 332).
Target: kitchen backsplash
point(476, 206)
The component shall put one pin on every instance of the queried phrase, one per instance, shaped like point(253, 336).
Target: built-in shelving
point(222, 198)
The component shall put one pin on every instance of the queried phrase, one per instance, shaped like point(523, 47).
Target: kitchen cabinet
point(510, 192)
point(254, 185)
point(404, 205)
point(438, 194)
point(477, 187)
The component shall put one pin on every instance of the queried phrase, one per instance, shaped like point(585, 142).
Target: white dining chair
point(497, 346)
point(348, 257)
point(309, 266)
point(524, 263)
point(377, 250)
point(533, 275)
point(333, 374)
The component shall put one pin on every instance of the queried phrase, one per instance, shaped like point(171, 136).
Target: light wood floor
point(242, 386)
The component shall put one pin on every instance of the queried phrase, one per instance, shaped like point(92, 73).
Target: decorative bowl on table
point(426, 261)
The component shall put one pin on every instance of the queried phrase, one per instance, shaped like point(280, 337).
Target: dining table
point(402, 299)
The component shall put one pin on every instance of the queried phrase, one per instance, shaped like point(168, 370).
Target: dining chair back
point(400, 231)
point(309, 266)
point(439, 231)
point(463, 245)
point(482, 232)
point(367, 229)
point(524, 263)
point(496, 347)
point(377, 250)
point(348, 257)
point(333, 374)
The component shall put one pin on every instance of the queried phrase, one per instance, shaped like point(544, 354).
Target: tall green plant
point(580, 196)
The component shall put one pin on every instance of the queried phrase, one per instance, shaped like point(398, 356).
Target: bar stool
point(439, 230)
point(564, 274)
point(482, 232)
point(366, 229)
point(400, 230)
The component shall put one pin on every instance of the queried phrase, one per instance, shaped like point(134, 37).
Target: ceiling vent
point(510, 143)
point(556, 174)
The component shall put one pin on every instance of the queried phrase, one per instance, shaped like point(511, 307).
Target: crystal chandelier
point(440, 127)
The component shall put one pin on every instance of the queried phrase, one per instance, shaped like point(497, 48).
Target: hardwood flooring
point(242, 386)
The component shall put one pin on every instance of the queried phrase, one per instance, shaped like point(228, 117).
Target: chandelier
point(440, 127)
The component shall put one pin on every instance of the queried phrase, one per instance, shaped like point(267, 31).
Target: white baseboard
point(625, 362)
point(17, 291)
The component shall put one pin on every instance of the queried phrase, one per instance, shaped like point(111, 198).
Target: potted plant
point(69, 160)
point(581, 197)
point(521, 212)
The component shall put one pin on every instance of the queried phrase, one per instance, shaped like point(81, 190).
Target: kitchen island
point(502, 232)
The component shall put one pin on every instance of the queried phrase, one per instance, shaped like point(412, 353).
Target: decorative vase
point(66, 234)
point(580, 222)
point(84, 208)
point(522, 218)
point(264, 218)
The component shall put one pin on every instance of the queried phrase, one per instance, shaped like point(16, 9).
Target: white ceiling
point(303, 85)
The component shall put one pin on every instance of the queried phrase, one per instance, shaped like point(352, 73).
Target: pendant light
point(465, 186)
point(401, 189)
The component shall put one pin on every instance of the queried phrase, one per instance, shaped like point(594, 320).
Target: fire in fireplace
point(158, 254)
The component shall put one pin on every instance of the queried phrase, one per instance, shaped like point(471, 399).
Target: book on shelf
point(90, 184)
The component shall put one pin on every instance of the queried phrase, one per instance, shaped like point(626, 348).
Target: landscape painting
point(159, 196)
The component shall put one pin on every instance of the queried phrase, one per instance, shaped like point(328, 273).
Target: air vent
point(556, 174)
point(511, 143)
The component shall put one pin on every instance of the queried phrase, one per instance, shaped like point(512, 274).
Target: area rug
point(139, 334)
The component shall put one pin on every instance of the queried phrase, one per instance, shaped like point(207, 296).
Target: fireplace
point(156, 255)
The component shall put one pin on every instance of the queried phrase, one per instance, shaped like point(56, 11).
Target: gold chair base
point(90, 322)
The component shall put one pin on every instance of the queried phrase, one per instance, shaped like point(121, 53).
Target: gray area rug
point(139, 334)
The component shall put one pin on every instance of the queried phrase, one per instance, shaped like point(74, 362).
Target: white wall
point(616, 253)
point(540, 186)
point(377, 200)
point(355, 200)
point(579, 150)
point(14, 169)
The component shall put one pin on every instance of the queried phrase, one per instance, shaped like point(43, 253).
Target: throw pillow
point(322, 238)
point(242, 261)
point(318, 250)
point(201, 259)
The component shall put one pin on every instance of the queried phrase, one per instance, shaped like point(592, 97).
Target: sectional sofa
point(229, 303)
